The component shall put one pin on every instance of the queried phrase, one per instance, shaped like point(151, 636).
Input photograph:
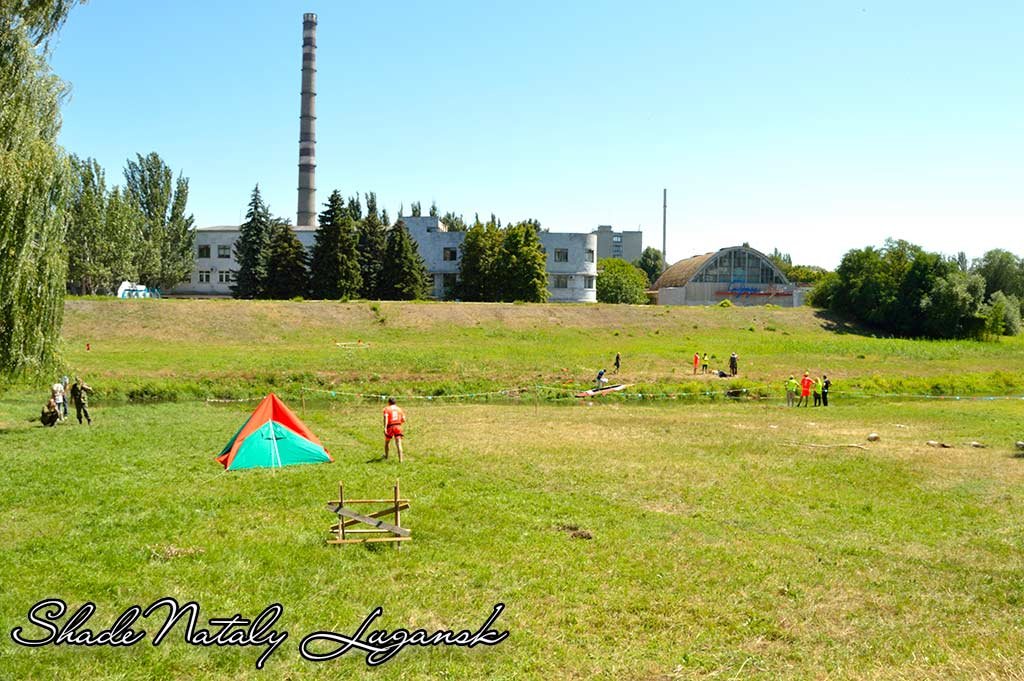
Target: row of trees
point(904, 290)
point(140, 233)
point(353, 256)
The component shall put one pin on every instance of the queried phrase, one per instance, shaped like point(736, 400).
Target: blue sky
point(814, 127)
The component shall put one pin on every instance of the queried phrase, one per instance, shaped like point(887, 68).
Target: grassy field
point(722, 543)
point(224, 348)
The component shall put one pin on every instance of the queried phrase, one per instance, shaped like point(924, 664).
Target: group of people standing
point(799, 393)
point(702, 362)
point(56, 408)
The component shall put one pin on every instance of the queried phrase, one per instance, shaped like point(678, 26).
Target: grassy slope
point(230, 348)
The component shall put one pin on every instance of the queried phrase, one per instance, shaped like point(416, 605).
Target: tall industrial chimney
point(306, 216)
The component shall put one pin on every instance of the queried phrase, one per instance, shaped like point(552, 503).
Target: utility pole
point(664, 230)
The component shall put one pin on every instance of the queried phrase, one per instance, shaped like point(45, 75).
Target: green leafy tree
point(416, 210)
point(35, 179)
point(781, 260)
point(404, 275)
point(433, 209)
point(453, 222)
point(1002, 315)
point(334, 273)
point(1002, 271)
point(651, 263)
point(252, 249)
point(904, 290)
point(479, 255)
point(87, 214)
point(165, 257)
point(286, 263)
point(370, 249)
point(953, 306)
point(806, 274)
point(522, 266)
point(621, 282)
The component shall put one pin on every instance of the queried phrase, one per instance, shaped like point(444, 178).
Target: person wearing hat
point(805, 390)
point(791, 388)
point(80, 396)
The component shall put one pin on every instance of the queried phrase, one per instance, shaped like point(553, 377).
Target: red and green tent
point(272, 437)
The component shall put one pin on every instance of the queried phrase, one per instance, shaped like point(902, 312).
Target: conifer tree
point(286, 263)
point(370, 248)
point(251, 249)
point(325, 260)
point(404, 275)
point(480, 251)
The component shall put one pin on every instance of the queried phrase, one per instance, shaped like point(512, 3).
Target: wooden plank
point(375, 514)
point(367, 501)
point(398, 509)
point(367, 540)
point(372, 522)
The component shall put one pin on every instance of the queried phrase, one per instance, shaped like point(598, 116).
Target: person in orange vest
point(805, 390)
point(696, 362)
point(394, 417)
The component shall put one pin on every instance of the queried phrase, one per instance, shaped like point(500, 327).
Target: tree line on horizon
point(909, 292)
point(353, 255)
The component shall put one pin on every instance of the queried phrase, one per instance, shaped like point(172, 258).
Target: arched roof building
point(738, 273)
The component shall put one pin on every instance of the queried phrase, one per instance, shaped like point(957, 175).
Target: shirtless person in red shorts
point(394, 417)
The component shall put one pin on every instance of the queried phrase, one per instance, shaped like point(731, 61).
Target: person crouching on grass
point(394, 417)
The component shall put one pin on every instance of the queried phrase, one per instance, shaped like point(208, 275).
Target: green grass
point(718, 547)
point(723, 545)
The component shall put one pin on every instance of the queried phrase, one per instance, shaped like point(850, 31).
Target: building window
point(590, 255)
point(591, 282)
point(225, 276)
point(204, 276)
point(223, 251)
point(450, 254)
point(562, 255)
point(617, 239)
point(561, 281)
point(204, 251)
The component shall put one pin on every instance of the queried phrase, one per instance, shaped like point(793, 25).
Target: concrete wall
point(699, 293)
point(626, 245)
point(578, 272)
point(427, 232)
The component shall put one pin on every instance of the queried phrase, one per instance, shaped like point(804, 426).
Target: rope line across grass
point(562, 392)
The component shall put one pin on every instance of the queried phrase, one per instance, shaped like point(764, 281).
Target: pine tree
point(416, 210)
point(433, 209)
point(334, 273)
point(251, 249)
point(355, 209)
point(522, 266)
point(480, 252)
point(404, 275)
point(371, 245)
point(286, 263)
